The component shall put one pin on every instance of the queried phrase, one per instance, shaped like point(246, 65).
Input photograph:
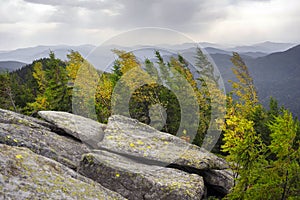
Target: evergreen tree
point(241, 141)
point(76, 81)
point(262, 170)
point(103, 96)
point(40, 76)
point(284, 175)
point(6, 94)
point(52, 86)
point(244, 89)
point(212, 103)
point(56, 91)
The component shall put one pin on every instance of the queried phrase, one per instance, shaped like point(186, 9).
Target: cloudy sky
point(25, 23)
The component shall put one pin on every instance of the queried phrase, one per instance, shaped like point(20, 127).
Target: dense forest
point(262, 144)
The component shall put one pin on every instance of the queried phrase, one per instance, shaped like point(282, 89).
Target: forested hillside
point(261, 143)
point(275, 75)
point(10, 65)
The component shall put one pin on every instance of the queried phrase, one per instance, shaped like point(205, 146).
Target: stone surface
point(19, 130)
point(138, 181)
point(26, 175)
point(128, 157)
point(9, 117)
point(84, 129)
point(128, 136)
point(131, 138)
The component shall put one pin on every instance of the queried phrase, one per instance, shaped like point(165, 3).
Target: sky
point(25, 23)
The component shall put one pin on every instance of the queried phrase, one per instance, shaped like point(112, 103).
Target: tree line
point(261, 144)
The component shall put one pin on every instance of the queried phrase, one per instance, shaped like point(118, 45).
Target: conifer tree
point(262, 170)
point(6, 94)
point(52, 86)
point(241, 141)
point(212, 102)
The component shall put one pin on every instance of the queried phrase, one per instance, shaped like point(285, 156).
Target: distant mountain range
point(265, 47)
point(27, 55)
point(275, 67)
point(10, 65)
point(276, 75)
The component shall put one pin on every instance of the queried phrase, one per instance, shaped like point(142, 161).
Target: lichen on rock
point(41, 160)
point(88, 131)
point(135, 180)
point(26, 175)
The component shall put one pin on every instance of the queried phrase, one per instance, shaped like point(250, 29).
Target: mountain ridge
point(29, 54)
point(11, 65)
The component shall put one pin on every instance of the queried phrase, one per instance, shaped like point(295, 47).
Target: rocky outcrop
point(139, 181)
point(129, 137)
point(124, 156)
point(26, 175)
point(40, 137)
point(86, 130)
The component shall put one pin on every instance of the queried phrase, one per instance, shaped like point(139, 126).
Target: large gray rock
point(9, 117)
point(128, 157)
point(139, 181)
point(26, 175)
point(37, 135)
point(128, 137)
point(84, 129)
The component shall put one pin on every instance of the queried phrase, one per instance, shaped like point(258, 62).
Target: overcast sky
point(26, 23)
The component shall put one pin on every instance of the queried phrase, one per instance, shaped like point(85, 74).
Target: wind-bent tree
point(262, 170)
point(211, 101)
point(241, 141)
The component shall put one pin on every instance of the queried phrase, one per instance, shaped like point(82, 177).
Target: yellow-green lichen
point(19, 157)
point(140, 142)
point(89, 158)
point(132, 145)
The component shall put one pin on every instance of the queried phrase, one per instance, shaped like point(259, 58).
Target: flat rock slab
point(9, 117)
point(84, 129)
point(128, 136)
point(138, 181)
point(26, 175)
point(23, 131)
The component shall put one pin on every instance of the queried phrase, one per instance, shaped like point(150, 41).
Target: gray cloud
point(158, 13)
point(89, 4)
point(239, 1)
point(181, 15)
point(68, 21)
point(131, 13)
